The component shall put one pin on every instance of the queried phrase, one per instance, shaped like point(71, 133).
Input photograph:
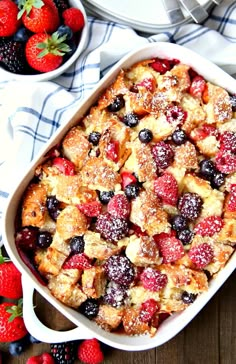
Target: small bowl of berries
point(40, 39)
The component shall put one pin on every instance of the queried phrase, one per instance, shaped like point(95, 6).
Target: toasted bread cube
point(94, 282)
point(218, 108)
point(34, 206)
point(60, 244)
point(96, 247)
point(222, 253)
point(186, 156)
point(76, 146)
point(142, 251)
point(228, 126)
point(71, 222)
point(138, 294)
point(213, 204)
point(108, 317)
point(227, 235)
point(197, 185)
point(52, 262)
point(148, 215)
point(195, 112)
point(133, 324)
point(208, 146)
point(158, 124)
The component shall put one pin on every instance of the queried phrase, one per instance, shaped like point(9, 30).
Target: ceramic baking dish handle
point(37, 329)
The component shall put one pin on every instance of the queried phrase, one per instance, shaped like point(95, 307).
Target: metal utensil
point(195, 10)
point(173, 11)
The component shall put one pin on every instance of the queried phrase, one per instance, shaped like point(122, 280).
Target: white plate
point(147, 16)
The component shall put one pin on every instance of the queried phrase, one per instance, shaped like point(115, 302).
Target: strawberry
point(171, 249)
point(39, 16)
point(10, 279)
point(119, 206)
point(12, 325)
point(90, 209)
point(201, 255)
point(44, 358)
point(166, 187)
point(77, 261)
point(64, 165)
point(89, 352)
point(112, 151)
point(127, 178)
point(203, 132)
point(148, 83)
point(231, 204)
point(152, 279)
point(148, 309)
point(9, 23)
point(44, 52)
point(209, 226)
point(197, 86)
point(73, 18)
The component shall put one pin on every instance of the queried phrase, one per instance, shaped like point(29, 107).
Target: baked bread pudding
point(129, 219)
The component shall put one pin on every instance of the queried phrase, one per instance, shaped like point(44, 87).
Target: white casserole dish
point(174, 324)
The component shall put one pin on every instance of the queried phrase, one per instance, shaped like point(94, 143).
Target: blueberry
point(44, 239)
point(73, 46)
point(179, 137)
point(207, 168)
point(105, 196)
point(52, 204)
point(179, 222)
point(16, 348)
point(233, 102)
point(65, 30)
point(22, 35)
point(131, 119)
point(89, 308)
point(117, 104)
point(33, 340)
point(217, 180)
point(77, 244)
point(94, 137)
point(185, 236)
point(131, 191)
point(145, 136)
point(188, 297)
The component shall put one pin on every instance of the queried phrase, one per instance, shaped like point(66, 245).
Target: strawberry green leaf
point(27, 5)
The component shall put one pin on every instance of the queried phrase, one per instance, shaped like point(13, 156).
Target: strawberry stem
point(15, 310)
point(3, 259)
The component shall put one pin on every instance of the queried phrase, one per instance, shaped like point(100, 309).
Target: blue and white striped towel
point(30, 115)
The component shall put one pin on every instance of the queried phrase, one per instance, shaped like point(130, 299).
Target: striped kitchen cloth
point(30, 114)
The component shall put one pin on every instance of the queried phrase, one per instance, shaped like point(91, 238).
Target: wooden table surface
point(209, 339)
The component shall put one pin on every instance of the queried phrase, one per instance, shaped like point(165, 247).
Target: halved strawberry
point(119, 206)
point(197, 86)
point(112, 151)
point(209, 226)
point(171, 249)
point(203, 132)
point(64, 165)
point(201, 255)
point(166, 187)
point(127, 178)
point(231, 205)
point(91, 209)
point(149, 83)
point(77, 261)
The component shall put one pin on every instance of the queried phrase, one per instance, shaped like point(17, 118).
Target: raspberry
point(228, 141)
point(231, 205)
point(225, 161)
point(26, 238)
point(166, 188)
point(77, 261)
point(112, 151)
point(209, 226)
point(119, 206)
point(73, 18)
point(119, 269)
point(190, 205)
point(163, 154)
point(115, 294)
point(89, 352)
point(161, 65)
point(42, 358)
point(201, 255)
point(63, 353)
point(171, 249)
point(176, 115)
point(148, 310)
point(153, 279)
point(90, 209)
point(111, 228)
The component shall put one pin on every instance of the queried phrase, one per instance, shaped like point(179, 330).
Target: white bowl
point(174, 324)
point(58, 71)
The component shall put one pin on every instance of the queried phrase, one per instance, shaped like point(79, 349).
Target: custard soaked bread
point(132, 215)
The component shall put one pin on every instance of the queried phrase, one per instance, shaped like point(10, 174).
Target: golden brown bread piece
point(34, 206)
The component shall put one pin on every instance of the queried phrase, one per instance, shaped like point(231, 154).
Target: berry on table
point(12, 327)
point(17, 347)
point(64, 353)
point(10, 279)
point(89, 352)
point(44, 358)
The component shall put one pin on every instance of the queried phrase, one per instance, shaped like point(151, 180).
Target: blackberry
point(185, 236)
point(131, 119)
point(105, 196)
point(94, 137)
point(179, 222)
point(77, 244)
point(188, 297)
point(12, 56)
point(145, 136)
point(233, 102)
point(61, 5)
point(44, 239)
point(163, 154)
point(217, 180)
point(190, 205)
point(111, 228)
point(64, 353)
point(120, 270)
point(89, 308)
point(179, 137)
point(117, 104)
point(65, 30)
point(115, 294)
point(131, 191)
point(207, 168)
